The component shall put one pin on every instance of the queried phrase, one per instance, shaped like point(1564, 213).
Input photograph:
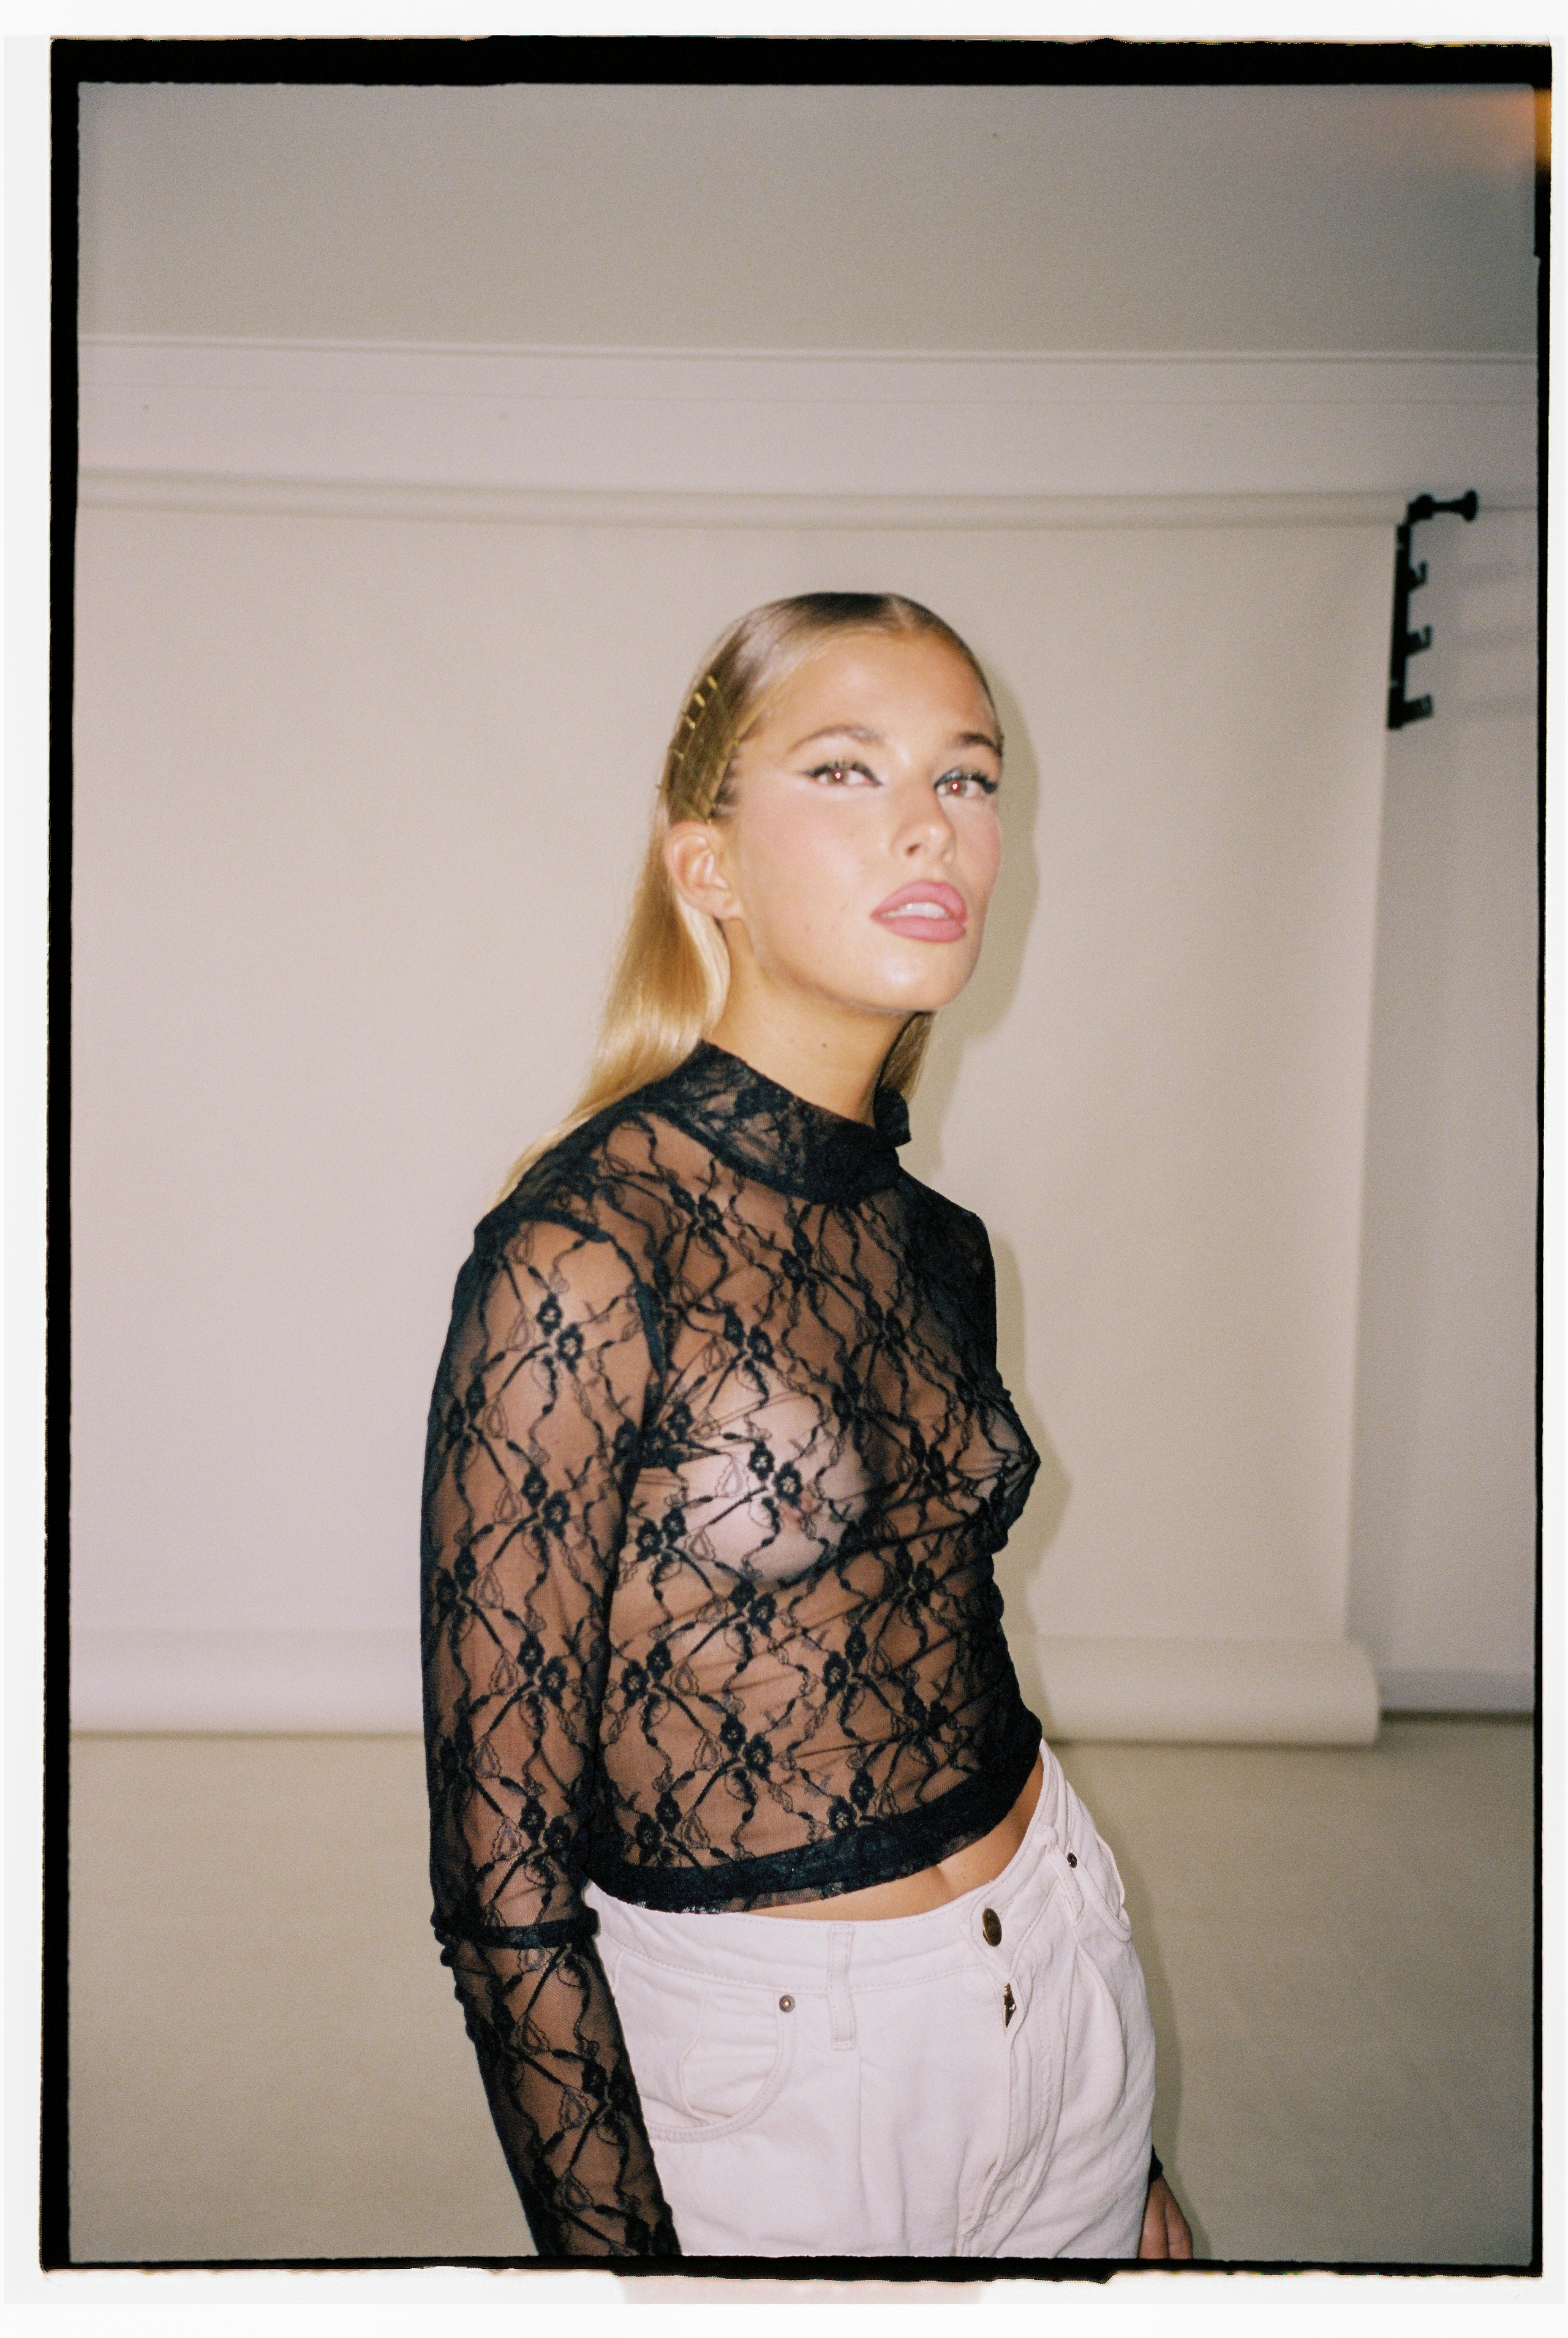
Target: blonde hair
point(671, 974)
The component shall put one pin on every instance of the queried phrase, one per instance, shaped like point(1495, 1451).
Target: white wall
point(1347, 218)
point(201, 216)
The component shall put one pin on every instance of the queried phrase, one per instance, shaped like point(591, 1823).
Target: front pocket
point(710, 2055)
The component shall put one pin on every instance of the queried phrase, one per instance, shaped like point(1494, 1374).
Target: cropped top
point(718, 1461)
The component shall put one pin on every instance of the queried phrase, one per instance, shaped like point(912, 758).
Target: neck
point(832, 1058)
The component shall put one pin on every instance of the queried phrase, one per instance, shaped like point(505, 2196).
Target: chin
point(929, 1000)
point(939, 989)
point(900, 991)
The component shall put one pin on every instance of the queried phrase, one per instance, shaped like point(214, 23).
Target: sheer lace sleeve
point(533, 1440)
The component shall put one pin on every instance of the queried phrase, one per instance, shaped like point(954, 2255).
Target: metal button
point(786, 2005)
point(991, 1925)
point(1071, 1859)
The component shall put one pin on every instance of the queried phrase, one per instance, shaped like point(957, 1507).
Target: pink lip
point(899, 912)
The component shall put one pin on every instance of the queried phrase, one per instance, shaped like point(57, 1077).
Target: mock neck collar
point(769, 1133)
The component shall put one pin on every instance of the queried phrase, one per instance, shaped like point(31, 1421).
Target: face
point(858, 861)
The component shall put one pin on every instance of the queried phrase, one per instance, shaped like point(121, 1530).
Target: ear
point(693, 857)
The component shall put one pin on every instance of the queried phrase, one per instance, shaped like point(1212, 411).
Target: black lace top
point(718, 1461)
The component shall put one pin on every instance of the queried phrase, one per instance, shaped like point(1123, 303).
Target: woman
point(718, 1461)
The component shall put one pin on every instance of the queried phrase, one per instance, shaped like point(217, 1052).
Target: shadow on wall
point(978, 1010)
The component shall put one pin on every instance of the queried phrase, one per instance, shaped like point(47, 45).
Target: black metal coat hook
point(1407, 578)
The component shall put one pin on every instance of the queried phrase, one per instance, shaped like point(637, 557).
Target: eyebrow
point(875, 739)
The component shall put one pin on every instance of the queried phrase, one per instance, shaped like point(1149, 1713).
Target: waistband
point(742, 1945)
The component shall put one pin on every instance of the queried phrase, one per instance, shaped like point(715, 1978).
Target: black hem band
point(875, 1851)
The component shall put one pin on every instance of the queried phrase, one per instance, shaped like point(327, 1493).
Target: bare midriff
point(913, 1895)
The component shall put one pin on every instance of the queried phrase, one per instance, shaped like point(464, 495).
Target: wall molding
point(588, 507)
point(384, 417)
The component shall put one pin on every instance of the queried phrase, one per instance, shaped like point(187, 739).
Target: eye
point(841, 775)
point(966, 783)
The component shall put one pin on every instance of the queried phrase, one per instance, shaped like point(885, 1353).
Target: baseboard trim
point(1202, 1692)
point(1180, 1691)
point(239, 1683)
point(1184, 1691)
point(1457, 1692)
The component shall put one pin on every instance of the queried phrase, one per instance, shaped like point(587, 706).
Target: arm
point(1166, 2232)
point(534, 1435)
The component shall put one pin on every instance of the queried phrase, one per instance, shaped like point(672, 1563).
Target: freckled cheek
point(804, 882)
point(820, 925)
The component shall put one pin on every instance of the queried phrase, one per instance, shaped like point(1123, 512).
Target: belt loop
point(840, 2004)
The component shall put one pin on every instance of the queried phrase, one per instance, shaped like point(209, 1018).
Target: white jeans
point(977, 2082)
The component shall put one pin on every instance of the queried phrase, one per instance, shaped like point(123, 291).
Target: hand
point(1166, 2232)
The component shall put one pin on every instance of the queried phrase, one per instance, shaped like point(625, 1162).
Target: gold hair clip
point(704, 713)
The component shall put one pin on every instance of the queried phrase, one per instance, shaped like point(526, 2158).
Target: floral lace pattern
point(718, 1461)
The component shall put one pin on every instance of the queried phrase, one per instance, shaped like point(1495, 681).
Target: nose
point(925, 829)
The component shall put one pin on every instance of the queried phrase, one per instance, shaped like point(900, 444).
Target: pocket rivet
point(786, 2005)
